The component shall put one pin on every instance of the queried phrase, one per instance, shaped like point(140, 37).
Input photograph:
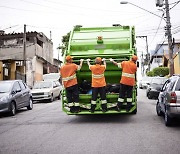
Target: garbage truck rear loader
point(105, 42)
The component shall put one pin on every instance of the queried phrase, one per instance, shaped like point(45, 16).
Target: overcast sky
point(59, 16)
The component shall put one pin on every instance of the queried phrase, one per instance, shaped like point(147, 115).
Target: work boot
point(119, 106)
point(77, 109)
point(104, 107)
point(128, 107)
point(93, 108)
point(72, 109)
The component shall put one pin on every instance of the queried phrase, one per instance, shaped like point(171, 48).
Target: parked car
point(14, 94)
point(169, 99)
point(46, 90)
point(144, 82)
point(154, 87)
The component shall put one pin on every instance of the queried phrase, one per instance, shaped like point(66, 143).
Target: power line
point(157, 29)
point(10, 27)
point(176, 3)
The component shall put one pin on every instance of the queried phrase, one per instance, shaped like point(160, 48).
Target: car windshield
point(158, 80)
point(41, 85)
point(5, 87)
point(146, 79)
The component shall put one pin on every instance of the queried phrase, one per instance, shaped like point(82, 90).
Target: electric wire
point(157, 29)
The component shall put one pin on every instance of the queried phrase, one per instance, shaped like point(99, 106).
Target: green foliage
point(65, 41)
point(159, 71)
point(150, 73)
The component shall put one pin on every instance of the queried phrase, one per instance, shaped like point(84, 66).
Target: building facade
point(29, 64)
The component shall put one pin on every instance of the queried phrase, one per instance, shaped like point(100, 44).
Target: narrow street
point(48, 130)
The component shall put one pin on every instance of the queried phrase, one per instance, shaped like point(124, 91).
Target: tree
point(65, 40)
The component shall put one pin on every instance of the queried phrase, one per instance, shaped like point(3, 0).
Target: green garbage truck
point(117, 43)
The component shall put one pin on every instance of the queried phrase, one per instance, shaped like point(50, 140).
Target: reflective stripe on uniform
point(78, 68)
point(76, 104)
point(69, 78)
point(104, 101)
point(93, 102)
point(119, 65)
point(120, 100)
point(129, 100)
point(71, 104)
point(97, 76)
point(128, 75)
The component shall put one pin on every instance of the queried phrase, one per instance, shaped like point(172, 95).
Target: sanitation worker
point(68, 74)
point(127, 81)
point(98, 83)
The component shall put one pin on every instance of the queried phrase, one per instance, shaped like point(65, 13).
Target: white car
point(49, 89)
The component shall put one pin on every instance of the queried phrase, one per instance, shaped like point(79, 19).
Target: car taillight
point(173, 97)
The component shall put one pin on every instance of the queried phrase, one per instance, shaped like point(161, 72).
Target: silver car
point(169, 99)
point(46, 90)
point(14, 94)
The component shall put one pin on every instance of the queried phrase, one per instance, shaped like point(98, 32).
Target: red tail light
point(173, 97)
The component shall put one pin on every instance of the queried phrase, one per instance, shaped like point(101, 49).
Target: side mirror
point(18, 90)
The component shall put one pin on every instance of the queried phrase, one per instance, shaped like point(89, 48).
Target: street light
point(125, 2)
point(168, 32)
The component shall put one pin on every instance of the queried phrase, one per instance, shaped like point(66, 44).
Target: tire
point(59, 96)
point(30, 106)
point(158, 109)
point(12, 109)
point(167, 118)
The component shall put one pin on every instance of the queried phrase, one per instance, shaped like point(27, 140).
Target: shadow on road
point(104, 119)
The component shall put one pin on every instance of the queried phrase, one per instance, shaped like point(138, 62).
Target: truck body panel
point(105, 42)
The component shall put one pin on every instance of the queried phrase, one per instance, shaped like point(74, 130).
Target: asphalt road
point(48, 130)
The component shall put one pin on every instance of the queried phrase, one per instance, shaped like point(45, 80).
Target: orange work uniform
point(98, 79)
point(68, 74)
point(129, 69)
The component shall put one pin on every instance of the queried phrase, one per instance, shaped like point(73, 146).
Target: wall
point(177, 64)
point(16, 53)
point(1, 71)
point(38, 70)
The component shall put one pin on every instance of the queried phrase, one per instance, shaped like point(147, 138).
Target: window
point(178, 86)
point(165, 86)
point(54, 85)
point(22, 85)
point(16, 87)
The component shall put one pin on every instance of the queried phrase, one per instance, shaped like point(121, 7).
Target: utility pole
point(24, 51)
point(148, 56)
point(168, 34)
point(170, 44)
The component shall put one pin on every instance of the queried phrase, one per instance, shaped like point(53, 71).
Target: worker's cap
point(134, 58)
point(98, 59)
point(68, 57)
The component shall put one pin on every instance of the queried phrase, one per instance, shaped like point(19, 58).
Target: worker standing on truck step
point(127, 81)
point(68, 74)
point(98, 83)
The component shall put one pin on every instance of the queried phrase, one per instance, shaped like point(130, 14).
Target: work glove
point(111, 59)
point(103, 59)
point(81, 60)
point(88, 59)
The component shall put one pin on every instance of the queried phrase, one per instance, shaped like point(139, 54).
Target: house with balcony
point(30, 64)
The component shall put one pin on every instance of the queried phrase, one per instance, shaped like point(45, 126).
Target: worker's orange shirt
point(68, 74)
point(98, 79)
point(129, 69)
